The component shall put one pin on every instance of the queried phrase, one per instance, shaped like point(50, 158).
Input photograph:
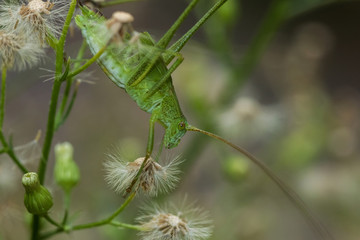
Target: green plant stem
point(55, 94)
point(69, 81)
point(52, 110)
point(109, 219)
point(60, 117)
point(71, 104)
point(35, 227)
point(128, 226)
point(10, 152)
point(67, 22)
point(52, 221)
point(67, 199)
point(113, 223)
point(49, 131)
point(6, 146)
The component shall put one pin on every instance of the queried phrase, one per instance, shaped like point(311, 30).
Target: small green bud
point(38, 199)
point(67, 173)
point(236, 168)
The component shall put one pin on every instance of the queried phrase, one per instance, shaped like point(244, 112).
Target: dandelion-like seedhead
point(153, 179)
point(35, 18)
point(171, 223)
point(18, 52)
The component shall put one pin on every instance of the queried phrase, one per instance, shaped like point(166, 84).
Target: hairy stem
point(49, 131)
point(69, 81)
point(52, 110)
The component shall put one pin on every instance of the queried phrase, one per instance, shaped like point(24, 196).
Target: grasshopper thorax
point(174, 132)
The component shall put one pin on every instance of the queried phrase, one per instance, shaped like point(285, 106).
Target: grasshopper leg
point(167, 76)
point(179, 44)
point(145, 66)
point(149, 149)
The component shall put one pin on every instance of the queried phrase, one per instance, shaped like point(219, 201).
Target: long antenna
point(314, 223)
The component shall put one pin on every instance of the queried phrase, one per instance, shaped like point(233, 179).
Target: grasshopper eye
point(181, 126)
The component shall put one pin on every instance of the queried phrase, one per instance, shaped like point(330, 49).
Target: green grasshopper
point(138, 64)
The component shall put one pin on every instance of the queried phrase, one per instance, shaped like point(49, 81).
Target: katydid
point(139, 65)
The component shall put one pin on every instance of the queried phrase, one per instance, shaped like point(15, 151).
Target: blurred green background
point(279, 78)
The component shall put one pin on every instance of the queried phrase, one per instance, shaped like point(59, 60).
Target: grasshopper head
point(175, 132)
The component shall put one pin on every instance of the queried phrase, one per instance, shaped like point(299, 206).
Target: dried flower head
point(34, 18)
point(120, 24)
point(153, 179)
point(116, 31)
point(18, 52)
point(171, 223)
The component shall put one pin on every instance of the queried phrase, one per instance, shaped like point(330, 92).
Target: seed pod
point(67, 173)
point(38, 199)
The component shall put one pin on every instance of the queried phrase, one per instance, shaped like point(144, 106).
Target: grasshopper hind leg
point(167, 75)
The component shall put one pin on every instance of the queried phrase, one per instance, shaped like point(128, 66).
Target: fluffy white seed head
point(34, 18)
point(153, 179)
point(17, 52)
point(171, 223)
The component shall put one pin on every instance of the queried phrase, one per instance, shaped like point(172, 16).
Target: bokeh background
point(280, 78)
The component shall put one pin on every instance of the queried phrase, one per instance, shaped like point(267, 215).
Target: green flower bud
point(38, 199)
point(67, 173)
point(236, 168)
